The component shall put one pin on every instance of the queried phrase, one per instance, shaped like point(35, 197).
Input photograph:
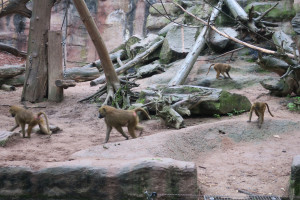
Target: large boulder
point(177, 43)
point(219, 43)
point(284, 10)
point(280, 38)
point(157, 9)
point(107, 181)
point(155, 23)
point(295, 179)
point(296, 23)
point(202, 11)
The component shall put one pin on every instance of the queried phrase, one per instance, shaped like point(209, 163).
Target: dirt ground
point(244, 158)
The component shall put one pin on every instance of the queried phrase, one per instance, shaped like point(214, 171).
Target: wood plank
point(55, 68)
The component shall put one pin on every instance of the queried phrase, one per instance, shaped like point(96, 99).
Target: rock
point(177, 45)
point(149, 70)
point(219, 43)
point(143, 44)
point(273, 64)
point(131, 41)
point(295, 179)
point(283, 10)
point(109, 181)
point(172, 9)
point(296, 23)
point(279, 38)
point(202, 11)
point(163, 32)
point(5, 136)
point(156, 22)
point(227, 103)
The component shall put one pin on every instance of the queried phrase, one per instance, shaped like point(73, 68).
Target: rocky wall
point(107, 180)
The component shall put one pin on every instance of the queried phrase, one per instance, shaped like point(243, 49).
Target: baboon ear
point(104, 110)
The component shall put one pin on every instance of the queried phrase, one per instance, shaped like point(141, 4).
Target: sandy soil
point(245, 157)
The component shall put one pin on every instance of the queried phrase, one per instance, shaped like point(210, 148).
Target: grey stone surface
point(177, 43)
point(219, 43)
point(295, 178)
point(4, 137)
point(107, 181)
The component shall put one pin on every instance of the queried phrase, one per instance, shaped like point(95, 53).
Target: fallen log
point(9, 71)
point(196, 100)
point(191, 58)
point(65, 83)
point(121, 54)
point(137, 59)
point(267, 51)
point(80, 74)
point(8, 87)
point(12, 50)
point(15, 81)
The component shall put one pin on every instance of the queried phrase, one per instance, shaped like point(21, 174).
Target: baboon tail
point(209, 68)
point(269, 110)
point(46, 119)
point(143, 111)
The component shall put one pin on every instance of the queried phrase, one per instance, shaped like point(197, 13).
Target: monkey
point(119, 118)
point(259, 108)
point(221, 68)
point(23, 117)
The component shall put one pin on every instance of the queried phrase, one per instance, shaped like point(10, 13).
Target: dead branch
point(12, 50)
point(267, 51)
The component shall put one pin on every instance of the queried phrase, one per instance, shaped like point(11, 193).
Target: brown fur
point(23, 117)
point(259, 108)
point(118, 118)
point(221, 68)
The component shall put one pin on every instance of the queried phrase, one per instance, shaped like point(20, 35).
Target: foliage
point(217, 116)
point(294, 105)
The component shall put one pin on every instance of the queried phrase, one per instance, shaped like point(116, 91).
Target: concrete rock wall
point(107, 181)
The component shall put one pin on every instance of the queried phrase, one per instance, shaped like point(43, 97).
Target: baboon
point(259, 108)
point(118, 118)
point(23, 117)
point(221, 68)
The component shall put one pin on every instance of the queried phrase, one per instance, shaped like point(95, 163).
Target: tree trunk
point(194, 53)
point(113, 82)
point(81, 74)
point(36, 78)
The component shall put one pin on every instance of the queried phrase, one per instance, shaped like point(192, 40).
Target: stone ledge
point(99, 180)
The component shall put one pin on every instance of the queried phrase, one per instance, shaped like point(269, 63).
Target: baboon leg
point(250, 114)
point(228, 75)
point(218, 75)
point(108, 130)
point(23, 129)
point(260, 120)
point(29, 130)
point(131, 130)
point(120, 130)
point(223, 74)
point(140, 128)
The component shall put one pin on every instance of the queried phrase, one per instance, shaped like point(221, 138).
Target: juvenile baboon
point(118, 118)
point(23, 117)
point(221, 68)
point(259, 108)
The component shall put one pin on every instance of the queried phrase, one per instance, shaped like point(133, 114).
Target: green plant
point(217, 116)
point(230, 114)
point(238, 112)
point(291, 107)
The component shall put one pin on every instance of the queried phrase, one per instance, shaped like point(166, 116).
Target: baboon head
point(102, 112)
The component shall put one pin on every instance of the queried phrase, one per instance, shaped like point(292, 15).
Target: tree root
point(117, 95)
